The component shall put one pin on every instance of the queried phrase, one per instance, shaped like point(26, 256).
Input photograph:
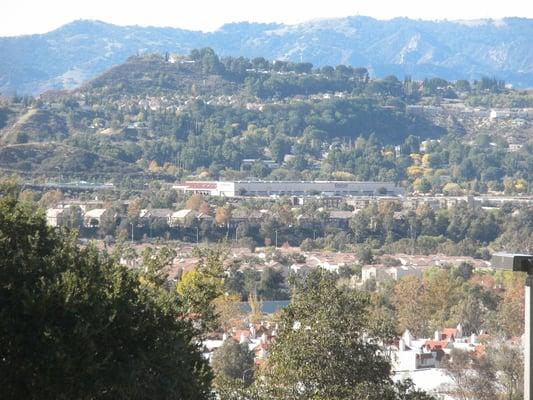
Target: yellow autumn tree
point(194, 202)
point(415, 157)
point(452, 189)
point(343, 176)
point(51, 199)
point(255, 308)
point(154, 167)
point(134, 210)
point(520, 185)
point(228, 310)
point(222, 216)
point(414, 171)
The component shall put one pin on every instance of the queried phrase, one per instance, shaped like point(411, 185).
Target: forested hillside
point(206, 116)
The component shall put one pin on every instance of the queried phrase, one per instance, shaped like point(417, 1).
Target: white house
point(179, 217)
point(64, 215)
point(54, 216)
point(411, 354)
point(92, 218)
point(382, 274)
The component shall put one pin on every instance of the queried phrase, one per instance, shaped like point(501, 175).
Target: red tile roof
point(201, 185)
point(436, 344)
point(448, 333)
point(241, 332)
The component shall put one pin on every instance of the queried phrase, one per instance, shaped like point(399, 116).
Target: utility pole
point(528, 367)
point(276, 238)
point(522, 263)
point(131, 223)
point(197, 236)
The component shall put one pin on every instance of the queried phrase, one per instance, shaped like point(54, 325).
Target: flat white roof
point(181, 213)
point(95, 213)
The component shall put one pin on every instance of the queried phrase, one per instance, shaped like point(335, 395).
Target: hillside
point(203, 116)
point(36, 125)
point(53, 159)
point(76, 52)
point(152, 75)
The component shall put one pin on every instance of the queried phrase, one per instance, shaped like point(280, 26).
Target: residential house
point(92, 218)
point(56, 216)
point(156, 215)
point(409, 354)
point(341, 219)
point(182, 217)
point(240, 215)
point(382, 273)
point(514, 147)
point(328, 265)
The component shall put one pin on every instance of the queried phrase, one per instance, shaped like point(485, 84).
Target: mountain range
point(78, 51)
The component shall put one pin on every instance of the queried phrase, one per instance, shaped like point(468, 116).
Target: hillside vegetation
point(55, 159)
point(37, 124)
point(203, 116)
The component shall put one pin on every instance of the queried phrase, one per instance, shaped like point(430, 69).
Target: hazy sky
point(38, 16)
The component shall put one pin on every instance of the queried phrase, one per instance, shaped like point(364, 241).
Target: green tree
point(75, 325)
point(408, 306)
point(496, 374)
point(326, 348)
point(234, 282)
point(279, 147)
point(272, 285)
point(200, 287)
point(233, 361)
point(365, 255)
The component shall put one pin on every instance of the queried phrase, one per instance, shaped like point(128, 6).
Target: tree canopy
point(75, 324)
point(328, 347)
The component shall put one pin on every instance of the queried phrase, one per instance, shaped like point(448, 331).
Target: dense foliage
point(74, 324)
point(447, 296)
point(327, 348)
point(205, 115)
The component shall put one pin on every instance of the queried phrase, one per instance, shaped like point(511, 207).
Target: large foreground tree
point(75, 325)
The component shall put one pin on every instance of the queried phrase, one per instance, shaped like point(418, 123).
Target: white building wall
point(292, 188)
point(405, 360)
point(226, 189)
point(328, 188)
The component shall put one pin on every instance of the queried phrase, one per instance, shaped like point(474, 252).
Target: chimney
point(224, 337)
point(437, 335)
point(252, 332)
point(407, 338)
point(402, 345)
point(459, 331)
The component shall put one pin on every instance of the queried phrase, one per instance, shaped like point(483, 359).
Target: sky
point(19, 17)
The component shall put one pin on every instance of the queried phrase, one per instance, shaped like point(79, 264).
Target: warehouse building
point(291, 188)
